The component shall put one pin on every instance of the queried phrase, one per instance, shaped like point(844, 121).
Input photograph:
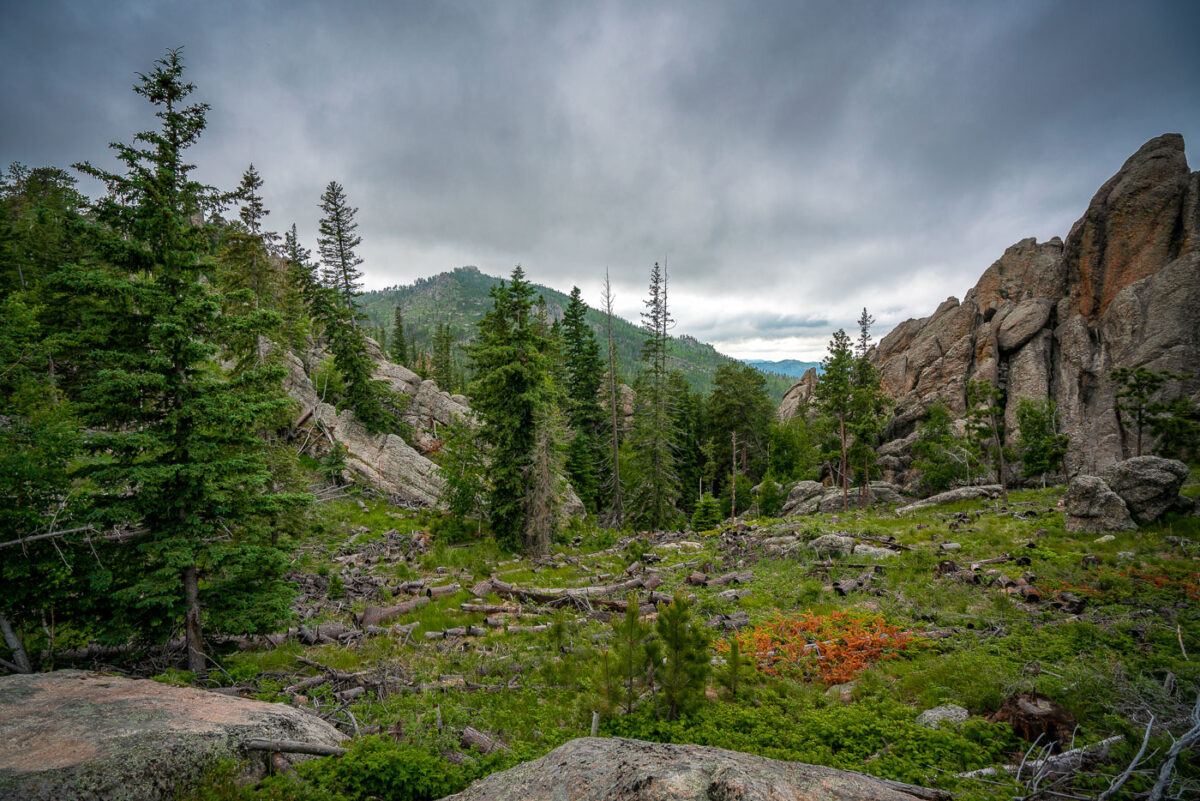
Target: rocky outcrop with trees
point(1053, 320)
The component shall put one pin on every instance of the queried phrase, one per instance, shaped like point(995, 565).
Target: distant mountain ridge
point(790, 367)
point(460, 298)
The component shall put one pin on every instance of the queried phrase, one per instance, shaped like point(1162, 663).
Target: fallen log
point(441, 590)
point(374, 615)
point(292, 747)
point(547, 594)
point(474, 738)
point(491, 609)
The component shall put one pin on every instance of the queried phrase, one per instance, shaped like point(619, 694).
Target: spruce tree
point(583, 374)
point(835, 394)
point(178, 437)
point(336, 244)
point(509, 394)
point(868, 408)
point(246, 256)
point(656, 492)
point(399, 342)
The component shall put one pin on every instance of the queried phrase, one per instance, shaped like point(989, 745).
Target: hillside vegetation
point(842, 652)
point(459, 299)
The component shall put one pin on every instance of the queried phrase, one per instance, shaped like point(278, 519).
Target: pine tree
point(464, 467)
point(684, 673)
point(509, 394)
point(868, 408)
point(182, 453)
point(246, 256)
point(652, 441)
point(835, 394)
point(399, 343)
point(583, 374)
point(443, 358)
point(629, 651)
point(336, 245)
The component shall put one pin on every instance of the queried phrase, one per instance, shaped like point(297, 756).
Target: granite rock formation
point(72, 734)
point(616, 769)
point(1053, 319)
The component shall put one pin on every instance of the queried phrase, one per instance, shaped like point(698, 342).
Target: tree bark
point(20, 655)
point(193, 635)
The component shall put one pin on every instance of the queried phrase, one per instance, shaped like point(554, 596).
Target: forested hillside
point(459, 298)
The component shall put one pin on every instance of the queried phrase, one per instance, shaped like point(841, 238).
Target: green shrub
point(707, 514)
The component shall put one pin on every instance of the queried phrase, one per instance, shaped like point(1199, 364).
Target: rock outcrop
point(385, 461)
point(1092, 507)
point(1053, 319)
point(810, 497)
point(78, 735)
point(616, 769)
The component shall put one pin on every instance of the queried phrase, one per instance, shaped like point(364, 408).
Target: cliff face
point(1053, 319)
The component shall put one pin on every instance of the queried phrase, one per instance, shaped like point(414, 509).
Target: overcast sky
point(791, 162)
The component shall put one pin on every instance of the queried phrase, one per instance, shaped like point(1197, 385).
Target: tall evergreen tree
point(399, 343)
point(656, 492)
point(182, 455)
point(868, 408)
point(835, 394)
point(584, 413)
point(336, 244)
point(510, 392)
point(443, 358)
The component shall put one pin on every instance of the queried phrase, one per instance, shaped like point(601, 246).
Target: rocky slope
point(384, 461)
point(1053, 319)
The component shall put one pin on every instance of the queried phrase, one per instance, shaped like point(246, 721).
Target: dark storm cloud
point(791, 162)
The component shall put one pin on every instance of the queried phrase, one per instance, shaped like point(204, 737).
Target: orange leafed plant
point(832, 648)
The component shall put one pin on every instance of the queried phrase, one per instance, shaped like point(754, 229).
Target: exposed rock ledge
point(616, 769)
point(75, 735)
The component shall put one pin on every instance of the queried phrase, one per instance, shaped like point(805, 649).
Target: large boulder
point(1149, 485)
point(77, 735)
point(616, 769)
point(953, 496)
point(1092, 507)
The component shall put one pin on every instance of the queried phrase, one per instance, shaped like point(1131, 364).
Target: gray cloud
point(791, 161)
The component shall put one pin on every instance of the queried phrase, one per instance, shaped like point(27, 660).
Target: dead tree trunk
point(20, 655)
point(193, 634)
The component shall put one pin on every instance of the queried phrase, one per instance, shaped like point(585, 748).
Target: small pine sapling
point(685, 667)
point(629, 635)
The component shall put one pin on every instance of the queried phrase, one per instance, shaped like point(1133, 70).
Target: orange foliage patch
point(832, 648)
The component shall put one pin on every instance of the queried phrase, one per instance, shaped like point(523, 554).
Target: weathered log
point(347, 695)
point(474, 738)
point(547, 594)
point(995, 560)
point(491, 609)
point(304, 684)
point(292, 747)
point(374, 615)
point(441, 590)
